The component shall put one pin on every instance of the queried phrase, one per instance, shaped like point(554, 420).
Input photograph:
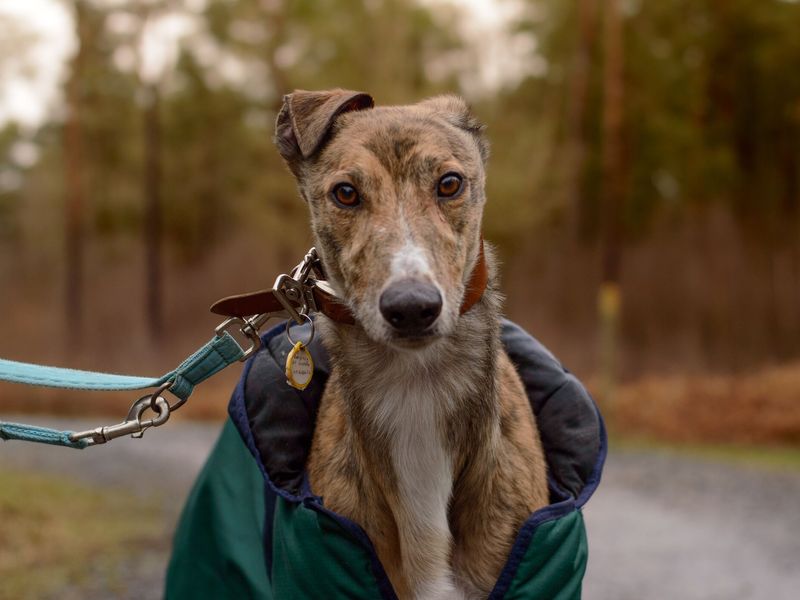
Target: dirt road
point(667, 527)
point(661, 527)
point(160, 467)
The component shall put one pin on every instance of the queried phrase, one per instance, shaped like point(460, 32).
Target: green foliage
point(110, 119)
point(711, 126)
point(219, 168)
point(710, 102)
point(711, 111)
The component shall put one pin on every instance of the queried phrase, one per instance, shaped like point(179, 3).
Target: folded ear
point(456, 111)
point(305, 119)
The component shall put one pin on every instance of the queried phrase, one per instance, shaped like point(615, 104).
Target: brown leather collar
point(265, 301)
point(477, 282)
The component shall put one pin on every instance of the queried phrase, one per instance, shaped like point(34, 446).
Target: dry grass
point(56, 533)
point(757, 408)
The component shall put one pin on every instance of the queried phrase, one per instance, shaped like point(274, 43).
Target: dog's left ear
point(457, 112)
point(306, 118)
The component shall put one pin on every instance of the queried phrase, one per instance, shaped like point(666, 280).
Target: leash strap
point(294, 297)
point(41, 435)
point(221, 351)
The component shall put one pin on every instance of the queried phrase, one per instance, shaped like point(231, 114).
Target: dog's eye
point(345, 195)
point(449, 185)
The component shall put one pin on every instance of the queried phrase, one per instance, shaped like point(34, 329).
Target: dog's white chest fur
point(422, 465)
point(408, 407)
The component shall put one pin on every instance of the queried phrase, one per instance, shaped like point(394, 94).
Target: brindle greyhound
point(424, 436)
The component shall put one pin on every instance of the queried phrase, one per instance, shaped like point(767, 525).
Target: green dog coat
point(252, 528)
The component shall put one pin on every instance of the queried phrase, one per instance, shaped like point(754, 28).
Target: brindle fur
point(429, 444)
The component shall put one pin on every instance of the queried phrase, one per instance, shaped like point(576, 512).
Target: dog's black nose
point(411, 306)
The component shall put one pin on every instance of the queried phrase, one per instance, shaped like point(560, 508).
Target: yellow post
point(608, 306)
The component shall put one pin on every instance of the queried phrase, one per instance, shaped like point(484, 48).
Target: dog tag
point(299, 367)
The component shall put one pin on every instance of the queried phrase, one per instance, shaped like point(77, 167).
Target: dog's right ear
point(457, 112)
point(306, 118)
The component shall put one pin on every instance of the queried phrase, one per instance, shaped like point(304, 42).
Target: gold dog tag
point(299, 367)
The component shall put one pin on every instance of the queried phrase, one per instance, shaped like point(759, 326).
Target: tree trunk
point(74, 196)
point(576, 111)
point(274, 13)
point(609, 302)
point(153, 225)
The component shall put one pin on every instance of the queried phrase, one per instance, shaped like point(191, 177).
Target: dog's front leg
point(426, 550)
point(426, 543)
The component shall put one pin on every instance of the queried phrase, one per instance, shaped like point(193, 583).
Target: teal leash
point(211, 358)
point(291, 297)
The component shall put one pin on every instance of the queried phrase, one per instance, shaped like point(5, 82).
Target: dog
point(424, 436)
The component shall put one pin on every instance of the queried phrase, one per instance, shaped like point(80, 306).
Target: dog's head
point(396, 196)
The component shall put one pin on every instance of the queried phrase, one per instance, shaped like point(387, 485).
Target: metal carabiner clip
point(132, 425)
point(246, 328)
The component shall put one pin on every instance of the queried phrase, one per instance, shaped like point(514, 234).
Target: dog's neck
point(447, 388)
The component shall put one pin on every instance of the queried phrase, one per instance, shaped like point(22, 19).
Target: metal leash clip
point(133, 424)
point(295, 294)
point(294, 289)
point(246, 326)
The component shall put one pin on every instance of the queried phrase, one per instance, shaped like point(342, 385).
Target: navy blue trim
point(550, 513)
point(523, 541)
point(355, 530)
point(238, 413)
point(270, 500)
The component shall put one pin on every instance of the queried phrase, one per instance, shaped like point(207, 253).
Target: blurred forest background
point(644, 185)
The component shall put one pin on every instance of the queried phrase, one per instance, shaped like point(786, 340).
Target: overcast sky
point(30, 80)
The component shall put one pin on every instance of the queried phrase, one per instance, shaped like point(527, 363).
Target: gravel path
point(161, 466)
point(667, 527)
point(164, 462)
point(661, 527)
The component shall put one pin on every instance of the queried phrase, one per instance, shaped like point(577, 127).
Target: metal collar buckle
point(295, 289)
point(294, 293)
point(247, 327)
